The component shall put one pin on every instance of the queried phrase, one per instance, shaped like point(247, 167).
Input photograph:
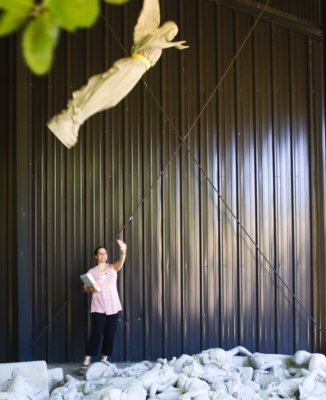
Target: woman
point(105, 305)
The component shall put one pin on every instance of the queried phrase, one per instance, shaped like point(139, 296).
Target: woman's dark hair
point(97, 249)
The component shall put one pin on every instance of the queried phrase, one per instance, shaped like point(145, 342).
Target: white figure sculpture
point(192, 387)
point(263, 361)
point(221, 356)
point(104, 91)
point(313, 386)
point(310, 361)
point(213, 374)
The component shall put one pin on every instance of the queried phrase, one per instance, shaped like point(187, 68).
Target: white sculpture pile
point(210, 375)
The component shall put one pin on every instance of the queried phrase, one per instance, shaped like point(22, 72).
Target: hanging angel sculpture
point(105, 90)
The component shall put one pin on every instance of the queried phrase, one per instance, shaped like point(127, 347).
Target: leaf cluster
point(41, 22)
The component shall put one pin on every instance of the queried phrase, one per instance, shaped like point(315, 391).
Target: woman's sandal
point(82, 369)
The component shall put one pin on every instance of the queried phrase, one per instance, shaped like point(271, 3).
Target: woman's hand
point(123, 252)
point(90, 289)
point(122, 245)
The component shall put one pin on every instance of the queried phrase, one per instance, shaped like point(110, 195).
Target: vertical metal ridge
point(222, 231)
point(309, 10)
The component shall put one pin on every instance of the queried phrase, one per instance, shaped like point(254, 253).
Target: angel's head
point(168, 31)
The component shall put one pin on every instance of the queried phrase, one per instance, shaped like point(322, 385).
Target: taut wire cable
point(183, 143)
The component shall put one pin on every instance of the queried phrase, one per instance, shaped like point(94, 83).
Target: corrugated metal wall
point(212, 171)
point(8, 273)
point(310, 10)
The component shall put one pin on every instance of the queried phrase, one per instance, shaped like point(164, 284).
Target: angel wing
point(148, 20)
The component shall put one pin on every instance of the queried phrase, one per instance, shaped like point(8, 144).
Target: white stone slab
point(24, 380)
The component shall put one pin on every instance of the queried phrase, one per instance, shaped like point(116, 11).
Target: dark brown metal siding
point(8, 256)
point(310, 10)
point(211, 169)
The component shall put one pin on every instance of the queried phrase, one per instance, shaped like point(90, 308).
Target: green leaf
point(39, 40)
point(11, 21)
point(15, 14)
point(73, 14)
point(116, 2)
point(15, 5)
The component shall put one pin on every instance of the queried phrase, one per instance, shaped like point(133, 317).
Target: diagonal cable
point(184, 144)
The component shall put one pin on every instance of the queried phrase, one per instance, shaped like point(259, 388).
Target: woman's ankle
point(87, 360)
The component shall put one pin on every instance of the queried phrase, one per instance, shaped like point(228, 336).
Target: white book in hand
point(89, 280)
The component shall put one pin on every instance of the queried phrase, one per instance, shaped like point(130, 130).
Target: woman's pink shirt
point(106, 301)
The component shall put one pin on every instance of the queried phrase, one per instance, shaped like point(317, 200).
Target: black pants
point(102, 326)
